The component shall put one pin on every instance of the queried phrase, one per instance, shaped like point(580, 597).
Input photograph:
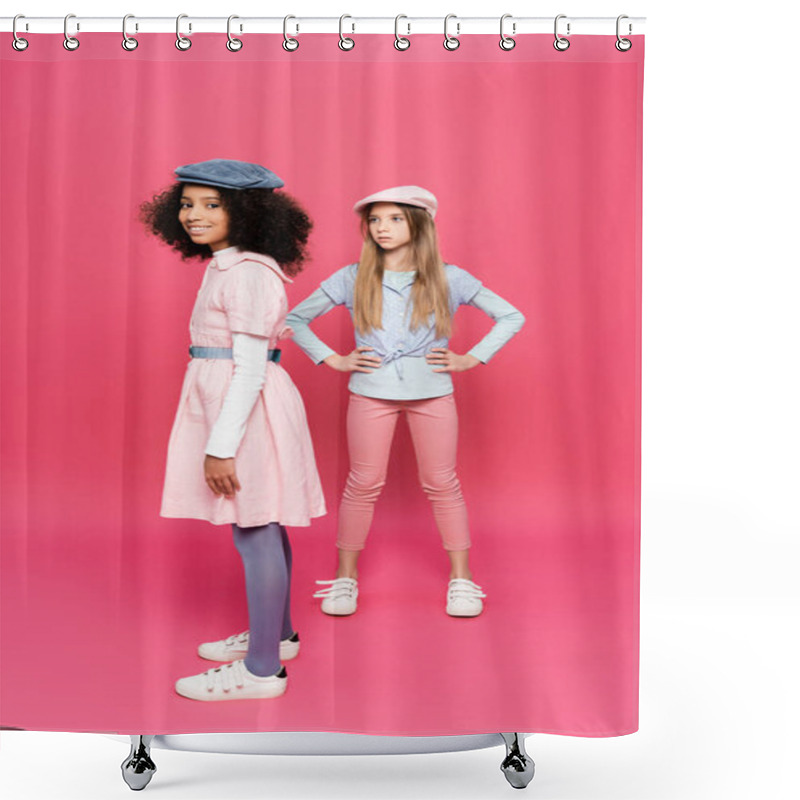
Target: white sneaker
point(464, 598)
point(339, 599)
point(235, 647)
point(231, 682)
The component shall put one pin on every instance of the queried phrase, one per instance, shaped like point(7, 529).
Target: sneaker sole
point(464, 614)
point(332, 613)
point(268, 693)
point(339, 613)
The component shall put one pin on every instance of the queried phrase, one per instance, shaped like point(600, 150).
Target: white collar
point(230, 256)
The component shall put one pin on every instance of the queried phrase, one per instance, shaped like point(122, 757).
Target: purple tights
point(267, 558)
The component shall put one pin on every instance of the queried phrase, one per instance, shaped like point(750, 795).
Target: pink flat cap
point(410, 195)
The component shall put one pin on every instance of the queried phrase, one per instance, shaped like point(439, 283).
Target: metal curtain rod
point(352, 24)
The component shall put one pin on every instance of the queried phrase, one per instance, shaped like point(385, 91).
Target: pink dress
point(242, 292)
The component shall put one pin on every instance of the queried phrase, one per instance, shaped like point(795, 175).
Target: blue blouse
point(404, 373)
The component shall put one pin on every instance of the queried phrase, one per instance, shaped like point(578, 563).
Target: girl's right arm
point(299, 319)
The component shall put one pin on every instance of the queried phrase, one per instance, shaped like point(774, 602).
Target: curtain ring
point(17, 42)
point(561, 44)
point(128, 42)
point(290, 44)
point(345, 42)
point(182, 43)
point(506, 42)
point(233, 44)
point(400, 42)
point(70, 42)
point(623, 45)
point(451, 42)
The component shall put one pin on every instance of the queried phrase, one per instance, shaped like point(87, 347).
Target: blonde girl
point(402, 298)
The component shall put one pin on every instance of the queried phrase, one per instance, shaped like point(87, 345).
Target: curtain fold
point(535, 158)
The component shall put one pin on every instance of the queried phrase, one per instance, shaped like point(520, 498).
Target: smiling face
point(388, 226)
point(203, 217)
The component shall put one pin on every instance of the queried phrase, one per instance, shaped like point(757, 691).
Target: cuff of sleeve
point(321, 354)
point(481, 354)
point(220, 449)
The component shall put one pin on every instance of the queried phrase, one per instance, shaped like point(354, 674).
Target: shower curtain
point(535, 158)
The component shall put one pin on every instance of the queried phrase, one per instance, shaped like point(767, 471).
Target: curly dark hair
point(261, 220)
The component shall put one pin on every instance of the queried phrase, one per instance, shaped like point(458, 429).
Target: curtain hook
point(506, 42)
point(128, 42)
point(290, 44)
point(623, 45)
point(400, 42)
point(561, 44)
point(345, 42)
point(451, 42)
point(18, 43)
point(233, 44)
point(70, 42)
point(182, 43)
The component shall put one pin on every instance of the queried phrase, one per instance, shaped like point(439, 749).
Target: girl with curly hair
point(402, 298)
point(240, 452)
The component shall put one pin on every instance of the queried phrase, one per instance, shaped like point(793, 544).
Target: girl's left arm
point(249, 376)
point(507, 322)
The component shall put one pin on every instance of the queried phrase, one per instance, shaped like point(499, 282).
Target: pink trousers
point(433, 423)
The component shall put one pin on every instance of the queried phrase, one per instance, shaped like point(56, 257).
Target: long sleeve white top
point(249, 375)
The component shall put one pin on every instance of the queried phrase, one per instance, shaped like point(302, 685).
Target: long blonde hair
point(429, 293)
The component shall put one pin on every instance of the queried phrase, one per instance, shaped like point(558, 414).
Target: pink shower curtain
point(535, 157)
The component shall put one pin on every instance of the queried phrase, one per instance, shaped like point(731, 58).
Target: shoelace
point(461, 588)
point(341, 587)
point(225, 677)
point(238, 638)
point(243, 639)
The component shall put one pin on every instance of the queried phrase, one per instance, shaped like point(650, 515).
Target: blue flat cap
point(229, 174)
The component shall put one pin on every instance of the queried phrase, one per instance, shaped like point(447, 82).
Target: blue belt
point(226, 352)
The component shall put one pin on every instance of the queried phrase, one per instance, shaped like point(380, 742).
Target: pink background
point(535, 157)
